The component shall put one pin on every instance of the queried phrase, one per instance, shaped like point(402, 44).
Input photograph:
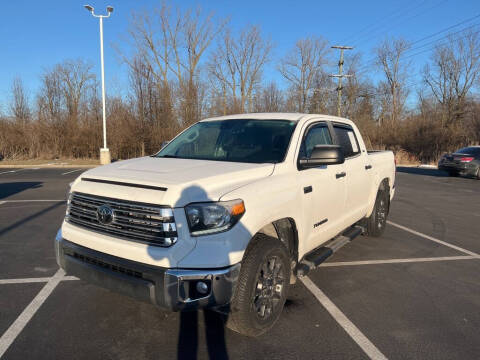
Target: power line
point(446, 29)
point(443, 37)
point(439, 44)
point(372, 60)
point(375, 24)
point(395, 24)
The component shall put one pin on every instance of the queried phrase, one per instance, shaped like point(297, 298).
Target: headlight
point(213, 217)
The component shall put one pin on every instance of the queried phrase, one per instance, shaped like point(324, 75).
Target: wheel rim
point(381, 213)
point(269, 287)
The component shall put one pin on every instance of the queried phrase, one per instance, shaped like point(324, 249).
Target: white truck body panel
point(269, 192)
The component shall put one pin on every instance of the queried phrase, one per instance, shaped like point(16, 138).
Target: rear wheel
point(261, 288)
point(375, 224)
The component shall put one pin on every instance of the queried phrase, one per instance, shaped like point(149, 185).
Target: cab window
point(347, 140)
point(317, 134)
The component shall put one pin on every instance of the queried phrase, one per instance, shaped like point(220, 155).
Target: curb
point(421, 166)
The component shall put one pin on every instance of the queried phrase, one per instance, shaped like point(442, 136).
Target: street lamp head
point(89, 8)
point(109, 9)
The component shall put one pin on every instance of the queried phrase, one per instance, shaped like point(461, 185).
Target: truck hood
point(167, 181)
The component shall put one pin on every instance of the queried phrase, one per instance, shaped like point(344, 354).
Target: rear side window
point(318, 134)
point(347, 140)
point(475, 151)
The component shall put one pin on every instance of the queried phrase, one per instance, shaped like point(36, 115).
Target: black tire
point(478, 173)
point(375, 224)
point(262, 287)
point(452, 173)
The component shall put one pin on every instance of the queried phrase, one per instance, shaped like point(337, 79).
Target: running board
point(319, 255)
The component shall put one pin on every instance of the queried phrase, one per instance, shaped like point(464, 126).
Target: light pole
point(104, 152)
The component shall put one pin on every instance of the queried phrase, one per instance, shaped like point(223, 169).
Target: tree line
point(185, 65)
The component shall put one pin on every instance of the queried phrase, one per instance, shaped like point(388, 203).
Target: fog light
point(202, 288)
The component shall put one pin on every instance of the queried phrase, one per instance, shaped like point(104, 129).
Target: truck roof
point(279, 116)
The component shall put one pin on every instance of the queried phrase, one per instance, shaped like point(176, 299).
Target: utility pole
point(340, 76)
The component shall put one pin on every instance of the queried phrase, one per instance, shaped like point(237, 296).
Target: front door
point(323, 189)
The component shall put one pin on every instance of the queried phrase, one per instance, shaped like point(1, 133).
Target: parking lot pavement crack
point(19, 324)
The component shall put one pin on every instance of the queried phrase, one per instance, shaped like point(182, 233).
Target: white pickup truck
point(227, 214)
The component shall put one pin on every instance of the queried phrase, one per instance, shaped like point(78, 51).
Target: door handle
point(340, 175)
point(307, 189)
point(368, 167)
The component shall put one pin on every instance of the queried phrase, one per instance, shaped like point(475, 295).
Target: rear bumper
point(463, 168)
point(172, 289)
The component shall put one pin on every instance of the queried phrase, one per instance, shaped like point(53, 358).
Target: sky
point(35, 35)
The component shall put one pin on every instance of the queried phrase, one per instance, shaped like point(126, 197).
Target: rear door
point(323, 190)
point(357, 172)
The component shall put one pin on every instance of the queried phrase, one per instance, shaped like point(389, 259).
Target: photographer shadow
point(188, 336)
point(190, 320)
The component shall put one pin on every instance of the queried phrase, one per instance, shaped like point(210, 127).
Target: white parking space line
point(34, 280)
point(23, 201)
point(24, 281)
point(357, 336)
point(16, 328)
point(432, 239)
point(69, 172)
point(17, 170)
point(2, 202)
point(69, 278)
point(398, 261)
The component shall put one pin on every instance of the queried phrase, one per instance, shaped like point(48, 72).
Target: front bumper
point(172, 289)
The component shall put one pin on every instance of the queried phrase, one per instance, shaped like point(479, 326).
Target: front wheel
point(375, 224)
point(262, 287)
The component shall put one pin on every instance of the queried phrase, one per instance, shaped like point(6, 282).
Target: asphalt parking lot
point(414, 293)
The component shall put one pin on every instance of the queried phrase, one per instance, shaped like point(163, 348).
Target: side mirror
point(323, 155)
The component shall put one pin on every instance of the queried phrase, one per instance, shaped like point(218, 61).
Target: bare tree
point(455, 69)
point(75, 77)
point(19, 106)
point(390, 60)
point(269, 99)
point(302, 65)
point(172, 43)
point(238, 62)
point(321, 99)
point(175, 79)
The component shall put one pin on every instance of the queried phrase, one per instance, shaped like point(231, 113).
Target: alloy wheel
point(269, 287)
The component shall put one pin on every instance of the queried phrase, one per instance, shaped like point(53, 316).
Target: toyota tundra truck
point(228, 214)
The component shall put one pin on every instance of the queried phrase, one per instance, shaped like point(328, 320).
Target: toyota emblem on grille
point(104, 214)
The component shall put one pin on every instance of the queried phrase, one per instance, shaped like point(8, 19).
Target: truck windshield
point(238, 140)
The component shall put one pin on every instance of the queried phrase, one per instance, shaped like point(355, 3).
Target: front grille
point(153, 224)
